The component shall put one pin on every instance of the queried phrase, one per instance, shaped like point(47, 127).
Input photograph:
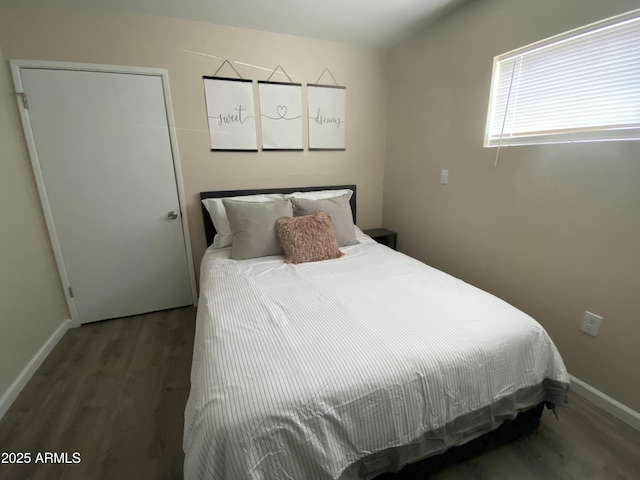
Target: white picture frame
point(231, 114)
point(281, 115)
point(327, 117)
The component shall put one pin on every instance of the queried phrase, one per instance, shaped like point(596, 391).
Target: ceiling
point(375, 23)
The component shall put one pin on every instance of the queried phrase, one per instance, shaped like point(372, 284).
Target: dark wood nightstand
point(384, 236)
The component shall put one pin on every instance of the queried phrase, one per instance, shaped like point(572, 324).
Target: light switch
point(444, 177)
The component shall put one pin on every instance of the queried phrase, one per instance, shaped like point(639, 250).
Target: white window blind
point(580, 86)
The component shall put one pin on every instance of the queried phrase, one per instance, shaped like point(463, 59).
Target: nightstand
point(383, 236)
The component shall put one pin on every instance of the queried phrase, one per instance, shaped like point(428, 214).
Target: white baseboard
point(19, 383)
point(605, 402)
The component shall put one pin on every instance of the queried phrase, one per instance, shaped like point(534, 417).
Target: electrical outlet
point(591, 324)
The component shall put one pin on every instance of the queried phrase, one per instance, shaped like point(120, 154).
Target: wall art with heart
point(281, 115)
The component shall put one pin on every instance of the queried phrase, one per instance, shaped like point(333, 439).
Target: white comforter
point(301, 370)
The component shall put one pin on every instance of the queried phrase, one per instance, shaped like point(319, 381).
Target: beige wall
point(31, 301)
point(553, 229)
point(190, 50)
point(32, 304)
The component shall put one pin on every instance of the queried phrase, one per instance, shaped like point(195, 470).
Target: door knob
point(172, 215)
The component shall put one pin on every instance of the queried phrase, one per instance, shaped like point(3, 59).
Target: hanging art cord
point(326, 70)
point(282, 69)
point(228, 63)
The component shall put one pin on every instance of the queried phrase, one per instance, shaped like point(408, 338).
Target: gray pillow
point(253, 226)
point(338, 209)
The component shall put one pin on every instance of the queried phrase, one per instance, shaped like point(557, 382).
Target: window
point(580, 86)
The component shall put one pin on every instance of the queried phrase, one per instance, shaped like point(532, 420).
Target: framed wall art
point(281, 115)
point(327, 117)
point(231, 114)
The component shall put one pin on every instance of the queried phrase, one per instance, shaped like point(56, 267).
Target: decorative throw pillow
point(254, 227)
point(309, 238)
point(338, 209)
point(321, 194)
point(218, 214)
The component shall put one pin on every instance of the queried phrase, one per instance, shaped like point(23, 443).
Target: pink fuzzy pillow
point(309, 238)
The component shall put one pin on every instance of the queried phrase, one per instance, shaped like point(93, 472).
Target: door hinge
point(71, 292)
point(25, 103)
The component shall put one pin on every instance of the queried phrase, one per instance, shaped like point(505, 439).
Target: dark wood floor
point(115, 392)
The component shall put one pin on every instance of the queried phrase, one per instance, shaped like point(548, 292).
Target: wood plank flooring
point(115, 392)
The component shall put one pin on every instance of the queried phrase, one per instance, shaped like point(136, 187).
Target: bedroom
point(551, 230)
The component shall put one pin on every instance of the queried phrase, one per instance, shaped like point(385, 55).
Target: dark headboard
point(209, 229)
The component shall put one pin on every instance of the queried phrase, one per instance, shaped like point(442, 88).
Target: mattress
point(314, 371)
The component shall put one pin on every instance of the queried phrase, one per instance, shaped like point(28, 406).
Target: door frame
point(16, 67)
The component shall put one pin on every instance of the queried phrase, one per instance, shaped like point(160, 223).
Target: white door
point(101, 142)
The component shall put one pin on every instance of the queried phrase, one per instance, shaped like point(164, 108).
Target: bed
point(348, 368)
